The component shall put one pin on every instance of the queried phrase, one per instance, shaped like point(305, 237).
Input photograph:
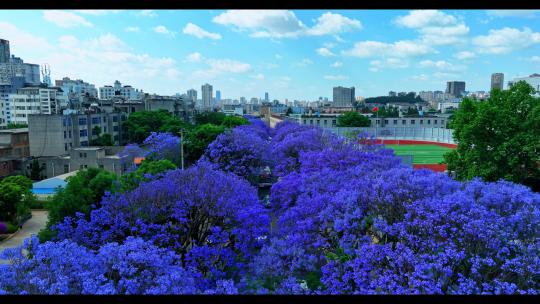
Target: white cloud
point(197, 31)
point(440, 65)
point(533, 59)
point(465, 55)
point(258, 76)
point(278, 56)
point(329, 45)
point(132, 29)
point(506, 40)
point(194, 57)
point(335, 77)
point(97, 12)
point(24, 44)
point(161, 29)
point(324, 52)
point(337, 64)
point(388, 63)
point(402, 49)
point(513, 13)
point(421, 77)
point(271, 66)
point(147, 13)
point(284, 23)
point(435, 27)
point(65, 19)
point(445, 76)
point(217, 67)
point(330, 24)
point(303, 63)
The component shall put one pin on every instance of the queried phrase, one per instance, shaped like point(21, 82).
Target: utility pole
point(182, 147)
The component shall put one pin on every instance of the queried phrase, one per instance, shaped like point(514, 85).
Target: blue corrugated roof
point(50, 183)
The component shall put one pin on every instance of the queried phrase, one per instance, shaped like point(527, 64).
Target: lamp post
point(182, 147)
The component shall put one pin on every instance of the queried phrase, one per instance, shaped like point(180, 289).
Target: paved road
point(32, 226)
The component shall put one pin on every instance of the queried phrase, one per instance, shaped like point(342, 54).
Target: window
point(403, 122)
point(123, 118)
point(101, 166)
point(84, 143)
point(304, 122)
point(377, 121)
point(69, 132)
point(115, 128)
point(65, 147)
point(311, 121)
point(395, 121)
point(80, 154)
point(421, 121)
point(96, 120)
point(66, 168)
point(412, 121)
point(386, 121)
point(333, 123)
point(115, 118)
point(318, 122)
point(83, 133)
point(82, 121)
point(429, 121)
point(325, 122)
point(65, 134)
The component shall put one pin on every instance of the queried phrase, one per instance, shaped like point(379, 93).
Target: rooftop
point(13, 131)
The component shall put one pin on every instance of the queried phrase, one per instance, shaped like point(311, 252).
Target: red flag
point(375, 109)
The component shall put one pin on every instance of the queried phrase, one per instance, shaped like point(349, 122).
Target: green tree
point(198, 139)
point(139, 125)
point(289, 111)
point(498, 138)
point(16, 126)
point(81, 192)
point(352, 119)
point(234, 121)
point(215, 118)
point(35, 170)
point(102, 139)
point(15, 198)
point(131, 180)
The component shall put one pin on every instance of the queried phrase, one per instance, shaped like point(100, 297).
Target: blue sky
point(297, 54)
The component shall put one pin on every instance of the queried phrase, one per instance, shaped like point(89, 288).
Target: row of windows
point(412, 121)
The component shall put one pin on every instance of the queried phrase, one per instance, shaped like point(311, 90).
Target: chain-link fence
point(428, 134)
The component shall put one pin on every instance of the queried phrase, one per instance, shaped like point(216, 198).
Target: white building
point(77, 87)
point(533, 80)
point(127, 92)
point(35, 100)
point(207, 96)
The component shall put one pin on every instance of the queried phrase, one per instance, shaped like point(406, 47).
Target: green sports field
point(422, 154)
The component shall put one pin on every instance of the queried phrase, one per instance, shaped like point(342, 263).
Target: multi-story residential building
point(230, 109)
point(54, 135)
point(455, 88)
point(497, 81)
point(343, 97)
point(207, 96)
point(84, 157)
point(117, 90)
point(14, 149)
point(180, 106)
point(192, 94)
point(533, 80)
point(35, 100)
point(77, 87)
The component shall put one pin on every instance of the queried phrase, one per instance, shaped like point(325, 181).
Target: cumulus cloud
point(218, 67)
point(335, 77)
point(161, 29)
point(147, 13)
point(401, 49)
point(337, 64)
point(284, 23)
point(324, 52)
point(388, 63)
point(194, 57)
point(132, 29)
point(197, 31)
point(506, 40)
point(440, 65)
point(513, 13)
point(65, 19)
point(435, 27)
point(97, 12)
point(465, 55)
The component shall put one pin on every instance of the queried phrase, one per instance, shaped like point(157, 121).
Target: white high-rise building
point(207, 96)
point(35, 100)
point(533, 80)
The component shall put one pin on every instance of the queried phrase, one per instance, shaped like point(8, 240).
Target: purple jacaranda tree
point(163, 146)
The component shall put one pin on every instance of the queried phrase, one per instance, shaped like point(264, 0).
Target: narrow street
point(32, 226)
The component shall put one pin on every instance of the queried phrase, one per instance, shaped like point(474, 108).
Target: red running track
point(432, 167)
point(414, 142)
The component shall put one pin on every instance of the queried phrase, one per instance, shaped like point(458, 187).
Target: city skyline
point(289, 54)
